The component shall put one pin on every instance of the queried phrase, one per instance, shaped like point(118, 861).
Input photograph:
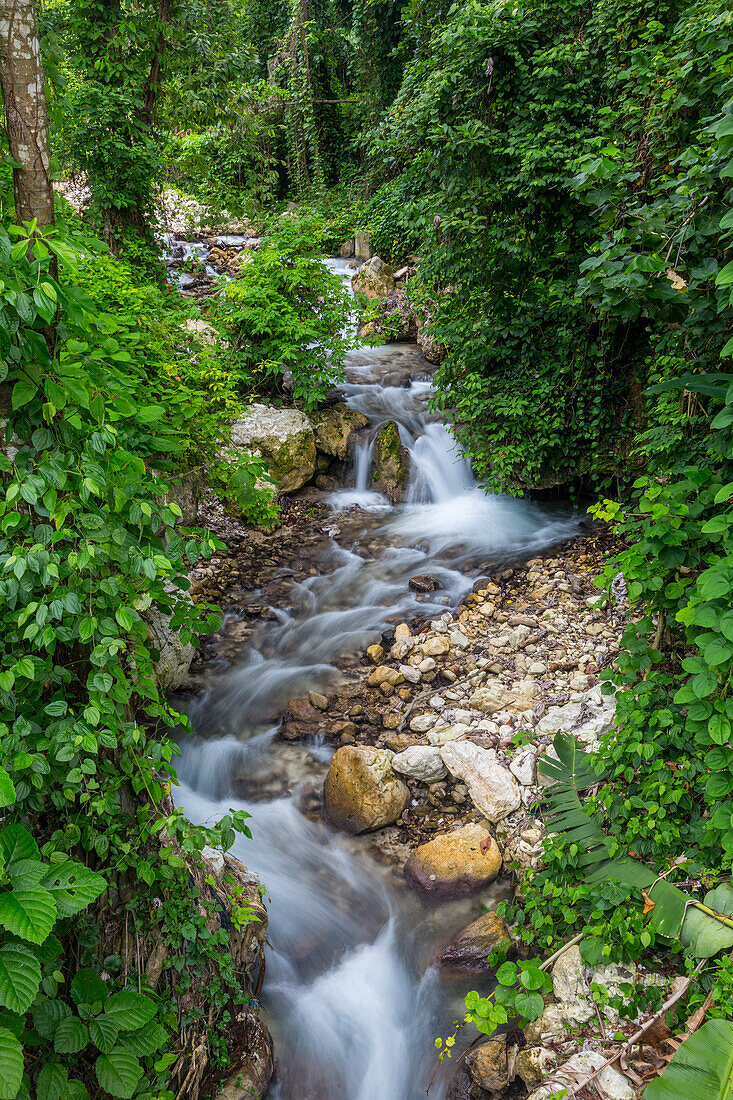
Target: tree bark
point(26, 114)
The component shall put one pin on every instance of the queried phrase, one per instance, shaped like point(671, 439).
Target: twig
point(566, 947)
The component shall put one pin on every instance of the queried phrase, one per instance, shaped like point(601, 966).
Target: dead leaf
point(648, 903)
point(678, 283)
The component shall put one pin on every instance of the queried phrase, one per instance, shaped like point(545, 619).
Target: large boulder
point(391, 462)
point(361, 791)
point(285, 439)
point(375, 279)
point(455, 864)
point(470, 949)
point(433, 351)
point(492, 787)
point(334, 427)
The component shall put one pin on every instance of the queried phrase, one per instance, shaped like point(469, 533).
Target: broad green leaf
point(104, 1033)
point(11, 1065)
point(20, 976)
point(147, 1040)
point(130, 1010)
point(52, 1083)
point(73, 887)
point(702, 1068)
point(71, 1036)
point(7, 790)
point(48, 1015)
point(118, 1073)
point(30, 914)
point(87, 988)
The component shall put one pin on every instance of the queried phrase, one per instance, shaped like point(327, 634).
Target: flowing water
point(352, 993)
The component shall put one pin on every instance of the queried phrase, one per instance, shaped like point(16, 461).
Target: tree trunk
point(24, 94)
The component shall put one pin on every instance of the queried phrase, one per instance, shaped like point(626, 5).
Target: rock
point(410, 673)
point(548, 1027)
point(320, 702)
point(375, 653)
point(423, 582)
point(421, 723)
point(175, 658)
point(491, 1064)
point(362, 244)
point(391, 463)
point(361, 792)
point(571, 988)
point(523, 849)
point(347, 250)
point(524, 767)
point(374, 280)
point(489, 699)
point(334, 428)
point(455, 864)
point(613, 1085)
point(534, 1064)
point(445, 734)
point(492, 787)
point(470, 949)
point(436, 647)
point(205, 333)
point(429, 346)
point(403, 633)
point(422, 762)
point(383, 674)
point(458, 639)
point(257, 1062)
point(285, 439)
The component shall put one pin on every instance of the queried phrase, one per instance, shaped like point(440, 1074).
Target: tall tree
point(26, 115)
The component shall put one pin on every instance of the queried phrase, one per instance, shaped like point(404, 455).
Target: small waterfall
point(352, 999)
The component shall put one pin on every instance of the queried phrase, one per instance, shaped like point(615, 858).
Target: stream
point(353, 995)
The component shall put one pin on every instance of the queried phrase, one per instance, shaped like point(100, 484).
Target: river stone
point(334, 428)
point(454, 864)
point(448, 733)
point(284, 438)
point(374, 280)
point(391, 463)
point(383, 674)
point(489, 699)
point(470, 949)
point(361, 791)
point(436, 647)
point(433, 351)
point(421, 723)
point(422, 762)
point(423, 582)
point(491, 1065)
point(375, 653)
point(492, 787)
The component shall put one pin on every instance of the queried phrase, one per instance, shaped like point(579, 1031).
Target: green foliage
point(285, 316)
point(702, 1067)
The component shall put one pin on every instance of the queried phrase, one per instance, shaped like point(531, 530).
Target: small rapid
point(353, 997)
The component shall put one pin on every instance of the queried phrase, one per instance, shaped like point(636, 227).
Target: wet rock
point(423, 582)
point(492, 787)
point(421, 762)
point(470, 949)
point(391, 463)
point(285, 439)
point(320, 702)
point(374, 280)
point(361, 791)
point(257, 1062)
point(334, 428)
point(375, 653)
point(491, 1064)
point(362, 244)
point(347, 249)
point(455, 864)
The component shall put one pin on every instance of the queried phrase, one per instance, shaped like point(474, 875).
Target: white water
point(352, 1000)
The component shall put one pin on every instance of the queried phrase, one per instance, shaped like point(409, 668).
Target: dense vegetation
point(562, 172)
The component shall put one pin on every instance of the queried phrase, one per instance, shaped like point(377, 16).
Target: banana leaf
point(704, 928)
point(702, 1068)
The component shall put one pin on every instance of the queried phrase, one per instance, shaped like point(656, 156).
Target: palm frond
point(702, 1068)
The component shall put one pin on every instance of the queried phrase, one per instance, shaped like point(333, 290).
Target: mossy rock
point(391, 462)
